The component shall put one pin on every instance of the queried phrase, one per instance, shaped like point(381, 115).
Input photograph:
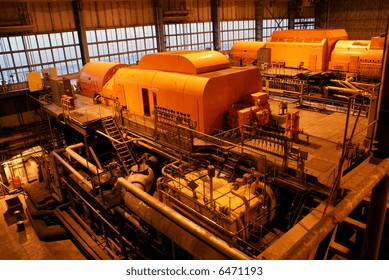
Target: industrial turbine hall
point(194, 130)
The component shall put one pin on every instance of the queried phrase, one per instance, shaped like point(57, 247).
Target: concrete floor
point(326, 132)
point(25, 245)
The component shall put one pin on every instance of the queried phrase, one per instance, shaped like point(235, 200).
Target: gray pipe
point(84, 183)
point(194, 239)
point(92, 168)
point(53, 166)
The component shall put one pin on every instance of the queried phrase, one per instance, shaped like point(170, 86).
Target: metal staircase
point(123, 150)
point(346, 239)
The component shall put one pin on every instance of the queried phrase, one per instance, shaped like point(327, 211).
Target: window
point(304, 23)
point(125, 45)
point(20, 55)
point(270, 25)
point(233, 31)
point(188, 36)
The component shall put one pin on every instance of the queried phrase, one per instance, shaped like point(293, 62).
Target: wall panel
point(362, 19)
point(199, 10)
point(52, 17)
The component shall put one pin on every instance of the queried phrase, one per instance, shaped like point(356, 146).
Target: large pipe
point(84, 183)
point(92, 168)
point(194, 239)
point(312, 238)
point(57, 194)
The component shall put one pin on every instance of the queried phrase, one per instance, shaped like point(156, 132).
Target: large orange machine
point(358, 56)
point(199, 83)
point(94, 75)
point(315, 50)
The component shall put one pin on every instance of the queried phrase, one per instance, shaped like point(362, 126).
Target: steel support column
point(158, 17)
point(382, 128)
point(292, 13)
point(259, 6)
point(375, 220)
point(215, 24)
point(78, 18)
point(311, 240)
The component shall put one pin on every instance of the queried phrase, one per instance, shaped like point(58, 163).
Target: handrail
point(312, 239)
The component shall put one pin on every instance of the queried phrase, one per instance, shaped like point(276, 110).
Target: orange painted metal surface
point(94, 75)
point(188, 62)
point(362, 56)
point(309, 49)
point(206, 91)
point(206, 97)
point(245, 52)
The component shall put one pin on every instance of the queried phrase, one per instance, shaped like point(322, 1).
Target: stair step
point(354, 224)
point(339, 249)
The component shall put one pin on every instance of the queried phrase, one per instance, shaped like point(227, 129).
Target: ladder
point(124, 151)
point(345, 240)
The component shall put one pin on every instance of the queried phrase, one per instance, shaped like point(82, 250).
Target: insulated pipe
point(92, 168)
point(84, 183)
point(311, 240)
point(343, 90)
point(53, 166)
point(194, 239)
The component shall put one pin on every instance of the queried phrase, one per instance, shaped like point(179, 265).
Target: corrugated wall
point(109, 14)
point(362, 19)
point(52, 17)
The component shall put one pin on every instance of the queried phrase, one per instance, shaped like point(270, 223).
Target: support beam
point(375, 220)
point(292, 13)
point(159, 27)
point(259, 7)
point(78, 18)
point(215, 24)
point(382, 128)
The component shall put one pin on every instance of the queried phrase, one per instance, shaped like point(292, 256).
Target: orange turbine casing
point(94, 75)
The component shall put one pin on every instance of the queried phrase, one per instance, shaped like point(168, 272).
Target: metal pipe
point(343, 90)
point(92, 168)
point(130, 218)
point(196, 240)
point(375, 220)
point(85, 184)
point(246, 211)
point(53, 166)
point(95, 157)
point(311, 240)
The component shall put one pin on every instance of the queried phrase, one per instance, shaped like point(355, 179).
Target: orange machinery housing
point(199, 83)
point(245, 52)
point(310, 49)
point(315, 50)
point(94, 76)
point(361, 56)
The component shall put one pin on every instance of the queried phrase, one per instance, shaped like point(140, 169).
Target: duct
point(194, 239)
point(84, 183)
point(92, 168)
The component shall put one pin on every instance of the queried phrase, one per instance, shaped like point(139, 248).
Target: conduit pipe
point(92, 168)
point(194, 239)
point(84, 183)
point(311, 240)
